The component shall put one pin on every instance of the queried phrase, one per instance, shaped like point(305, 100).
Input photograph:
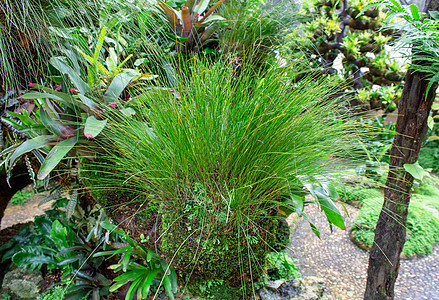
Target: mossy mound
point(230, 253)
point(422, 222)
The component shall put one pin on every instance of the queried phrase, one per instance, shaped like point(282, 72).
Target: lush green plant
point(21, 197)
point(52, 241)
point(281, 266)
point(254, 30)
point(221, 155)
point(193, 25)
point(55, 293)
point(141, 267)
point(338, 30)
point(67, 120)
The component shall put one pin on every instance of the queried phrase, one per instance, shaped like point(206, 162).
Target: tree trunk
point(390, 232)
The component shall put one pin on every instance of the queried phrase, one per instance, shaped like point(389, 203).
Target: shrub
point(220, 155)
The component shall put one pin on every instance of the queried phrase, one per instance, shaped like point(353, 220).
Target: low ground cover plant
point(422, 220)
point(21, 197)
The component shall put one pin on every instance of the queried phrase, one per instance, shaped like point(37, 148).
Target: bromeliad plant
point(67, 120)
point(194, 25)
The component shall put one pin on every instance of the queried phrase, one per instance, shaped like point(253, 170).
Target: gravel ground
point(344, 265)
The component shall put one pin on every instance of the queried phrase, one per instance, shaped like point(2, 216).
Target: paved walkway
point(344, 265)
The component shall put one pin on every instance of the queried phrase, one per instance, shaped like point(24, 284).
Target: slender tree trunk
point(390, 232)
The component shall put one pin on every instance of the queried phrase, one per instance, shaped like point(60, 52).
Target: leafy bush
point(220, 155)
point(281, 266)
point(21, 197)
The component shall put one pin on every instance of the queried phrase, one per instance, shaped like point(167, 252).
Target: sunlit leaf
point(415, 170)
point(56, 155)
point(93, 126)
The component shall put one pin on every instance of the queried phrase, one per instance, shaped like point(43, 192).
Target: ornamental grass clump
point(221, 154)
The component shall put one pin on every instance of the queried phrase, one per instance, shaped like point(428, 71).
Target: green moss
point(281, 266)
point(204, 250)
point(21, 197)
point(214, 289)
point(429, 157)
point(357, 194)
point(422, 221)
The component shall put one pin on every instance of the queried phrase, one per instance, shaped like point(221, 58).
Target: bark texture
point(390, 232)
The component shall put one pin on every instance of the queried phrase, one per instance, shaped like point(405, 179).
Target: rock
point(306, 288)
point(23, 283)
point(275, 285)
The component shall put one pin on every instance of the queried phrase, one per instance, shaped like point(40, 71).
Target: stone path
point(344, 265)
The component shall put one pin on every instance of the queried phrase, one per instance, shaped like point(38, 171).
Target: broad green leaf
point(140, 61)
point(168, 287)
point(128, 111)
point(415, 12)
point(32, 259)
point(100, 43)
point(87, 101)
point(314, 228)
point(415, 170)
point(55, 156)
point(92, 76)
point(435, 106)
point(58, 233)
point(430, 122)
point(118, 285)
point(433, 138)
point(147, 284)
point(93, 126)
point(111, 60)
point(60, 64)
point(126, 259)
point(134, 286)
point(213, 18)
point(173, 278)
point(201, 7)
point(165, 266)
point(49, 123)
point(29, 145)
point(118, 84)
point(68, 261)
point(328, 207)
point(36, 95)
point(298, 203)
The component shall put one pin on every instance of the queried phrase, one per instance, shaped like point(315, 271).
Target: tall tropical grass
point(226, 147)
